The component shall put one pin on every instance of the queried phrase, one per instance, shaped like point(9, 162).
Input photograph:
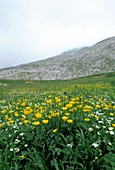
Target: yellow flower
point(26, 121)
point(38, 115)
point(77, 98)
point(23, 104)
point(74, 108)
point(52, 113)
point(11, 111)
point(55, 130)
point(48, 101)
point(70, 121)
point(57, 99)
point(73, 99)
point(6, 117)
point(64, 108)
point(105, 108)
point(45, 121)
point(92, 114)
point(49, 117)
point(36, 106)
point(97, 106)
point(13, 103)
point(80, 106)
point(36, 123)
point(72, 102)
point(97, 117)
point(57, 114)
point(26, 112)
point(11, 121)
point(111, 114)
point(8, 123)
point(22, 156)
point(87, 119)
point(86, 110)
point(16, 114)
point(16, 107)
point(113, 125)
point(4, 111)
point(69, 105)
point(67, 114)
point(85, 100)
point(64, 118)
point(23, 118)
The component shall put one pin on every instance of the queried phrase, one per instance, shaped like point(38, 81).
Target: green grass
point(58, 125)
point(42, 86)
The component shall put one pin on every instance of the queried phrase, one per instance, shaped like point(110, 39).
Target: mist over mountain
point(78, 62)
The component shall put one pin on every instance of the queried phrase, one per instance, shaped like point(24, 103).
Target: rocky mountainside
point(99, 58)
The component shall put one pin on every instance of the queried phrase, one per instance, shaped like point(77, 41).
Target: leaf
point(56, 164)
point(38, 160)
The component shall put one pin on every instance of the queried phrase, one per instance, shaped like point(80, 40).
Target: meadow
point(58, 125)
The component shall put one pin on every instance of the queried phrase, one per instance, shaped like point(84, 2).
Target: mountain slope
point(99, 58)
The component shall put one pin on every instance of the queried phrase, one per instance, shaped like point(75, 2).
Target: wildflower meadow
point(67, 129)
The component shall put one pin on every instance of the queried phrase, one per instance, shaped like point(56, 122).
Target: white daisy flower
point(95, 145)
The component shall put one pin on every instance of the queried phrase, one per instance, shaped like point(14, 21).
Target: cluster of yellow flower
point(34, 112)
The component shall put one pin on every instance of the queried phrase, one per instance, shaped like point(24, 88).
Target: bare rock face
point(99, 58)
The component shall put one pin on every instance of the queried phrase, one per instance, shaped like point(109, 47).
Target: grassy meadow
point(58, 125)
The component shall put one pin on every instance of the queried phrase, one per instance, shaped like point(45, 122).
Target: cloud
point(36, 29)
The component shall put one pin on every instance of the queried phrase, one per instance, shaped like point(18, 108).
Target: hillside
point(17, 87)
point(97, 59)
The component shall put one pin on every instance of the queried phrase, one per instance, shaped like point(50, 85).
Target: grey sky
point(32, 30)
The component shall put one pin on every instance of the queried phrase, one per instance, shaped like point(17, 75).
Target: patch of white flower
point(90, 129)
point(101, 122)
point(21, 134)
point(69, 145)
point(25, 145)
point(11, 149)
point(17, 149)
point(98, 133)
point(95, 145)
point(110, 128)
point(111, 132)
point(110, 143)
point(17, 141)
